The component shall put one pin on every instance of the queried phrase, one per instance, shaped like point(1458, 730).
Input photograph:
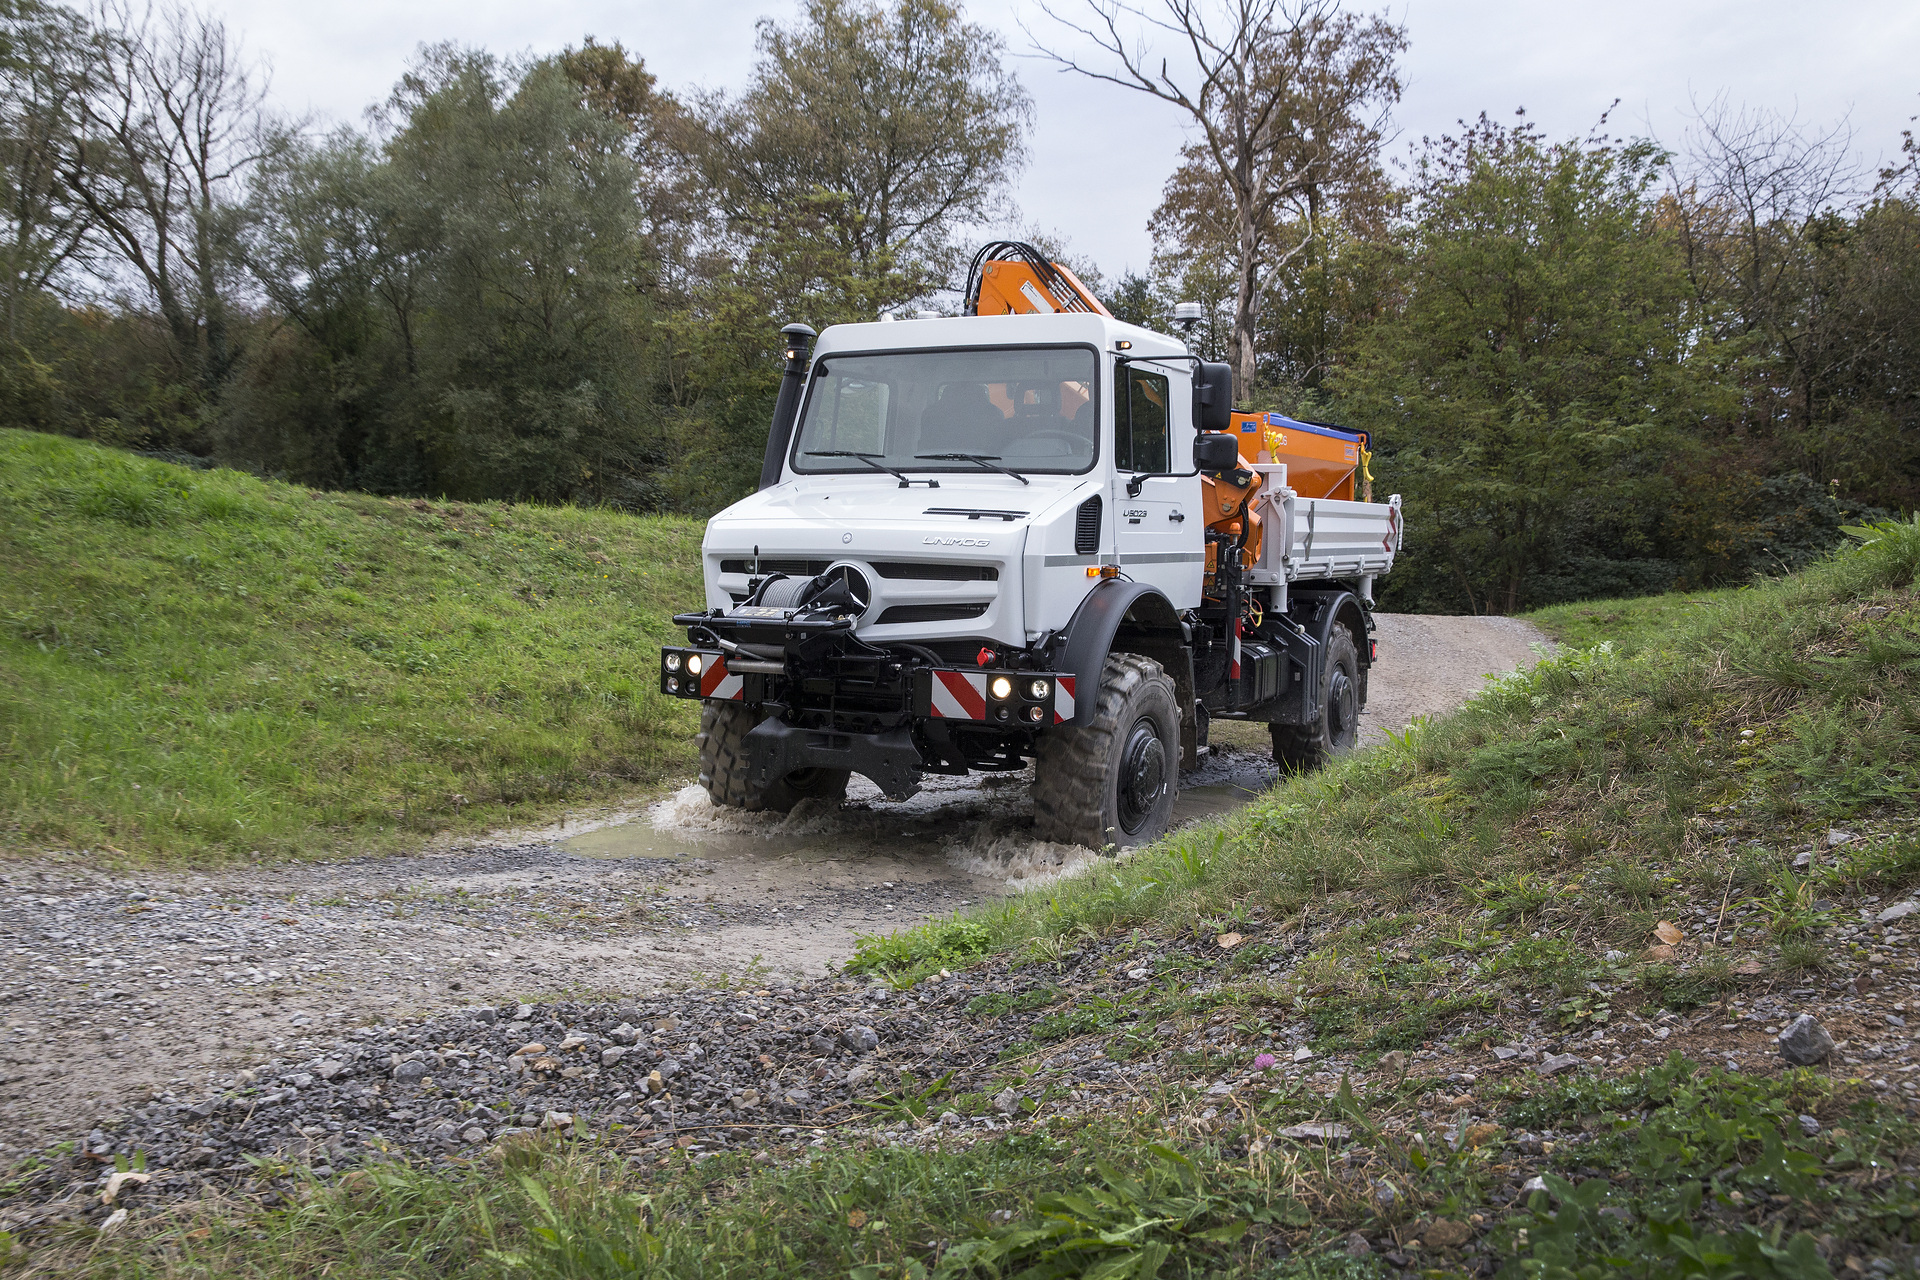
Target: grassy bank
point(201, 665)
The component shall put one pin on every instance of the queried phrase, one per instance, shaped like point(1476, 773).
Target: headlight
point(673, 662)
point(693, 664)
point(673, 684)
point(1002, 687)
point(1038, 689)
point(1034, 713)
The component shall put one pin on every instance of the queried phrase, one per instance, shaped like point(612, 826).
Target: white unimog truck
point(1029, 533)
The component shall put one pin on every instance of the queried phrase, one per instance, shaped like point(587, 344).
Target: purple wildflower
point(1264, 1061)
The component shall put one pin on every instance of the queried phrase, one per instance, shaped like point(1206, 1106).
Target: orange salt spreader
point(1321, 462)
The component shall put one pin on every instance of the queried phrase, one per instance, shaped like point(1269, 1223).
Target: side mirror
point(1215, 451)
point(1213, 397)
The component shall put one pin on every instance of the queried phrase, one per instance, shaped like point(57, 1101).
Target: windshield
point(1024, 411)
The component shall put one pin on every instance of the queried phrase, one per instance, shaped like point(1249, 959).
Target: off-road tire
point(1079, 793)
point(723, 766)
point(1337, 727)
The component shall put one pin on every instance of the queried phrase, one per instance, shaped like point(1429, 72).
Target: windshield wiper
point(991, 461)
point(868, 458)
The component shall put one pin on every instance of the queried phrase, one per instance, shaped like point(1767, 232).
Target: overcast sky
point(1100, 154)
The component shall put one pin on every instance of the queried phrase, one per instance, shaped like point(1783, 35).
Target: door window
point(1141, 421)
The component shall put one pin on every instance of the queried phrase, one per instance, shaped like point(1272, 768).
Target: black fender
point(1153, 630)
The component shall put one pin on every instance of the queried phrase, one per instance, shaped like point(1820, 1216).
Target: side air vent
point(931, 613)
point(936, 572)
point(1086, 528)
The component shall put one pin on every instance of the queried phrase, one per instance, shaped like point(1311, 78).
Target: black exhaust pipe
point(796, 341)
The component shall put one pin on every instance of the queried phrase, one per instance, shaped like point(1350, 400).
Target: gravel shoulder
point(120, 989)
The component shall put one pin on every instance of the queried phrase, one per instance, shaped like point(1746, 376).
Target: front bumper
point(996, 697)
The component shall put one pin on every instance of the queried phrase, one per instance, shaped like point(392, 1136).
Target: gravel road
point(121, 989)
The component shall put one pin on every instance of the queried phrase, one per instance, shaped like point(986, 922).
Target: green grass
point(202, 665)
point(1629, 624)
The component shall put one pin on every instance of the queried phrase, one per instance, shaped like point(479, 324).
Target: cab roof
point(1080, 328)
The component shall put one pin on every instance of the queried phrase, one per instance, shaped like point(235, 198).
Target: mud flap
point(890, 760)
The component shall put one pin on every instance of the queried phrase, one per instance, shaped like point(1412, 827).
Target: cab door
point(1158, 530)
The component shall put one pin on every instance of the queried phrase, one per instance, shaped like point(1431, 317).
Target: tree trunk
point(1246, 305)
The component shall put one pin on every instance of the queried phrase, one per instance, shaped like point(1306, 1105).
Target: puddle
point(980, 826)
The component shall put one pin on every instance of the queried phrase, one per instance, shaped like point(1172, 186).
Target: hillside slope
point(202, 665)
point(1503, 996)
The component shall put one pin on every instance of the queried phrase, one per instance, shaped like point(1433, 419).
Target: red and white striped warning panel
point(718, 682)
point(959, 695)
point(1062, 699)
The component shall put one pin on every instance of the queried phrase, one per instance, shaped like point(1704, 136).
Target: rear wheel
point(723, 766)
point(1337, 727)
point(1112, 782)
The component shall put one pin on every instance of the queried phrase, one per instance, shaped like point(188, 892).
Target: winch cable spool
point(1059, 290)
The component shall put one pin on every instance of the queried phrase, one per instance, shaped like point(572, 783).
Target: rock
point(556, 1120)
point(609, 1057)
point(669, 1068)
point(488, 1016)
point(533, 1050)
point(1006, 1102)
point(571, 1042)
point(858, 1077)
point(1446, 1234)
point(201, 1110)
point(625, 1033)
point(1898, 911)
point(1803, 860)
point(1558, 1063)
point(299, 1080)
point(1141, 974)
point(1805, 1042)
point(1505, 1051)
point(1318, 1132)
point(410, 1072)
point(522, 1013)
point(820, 1043)
point(860, 1039)
point(1384, 1195)
point(1395, 1062)
point(1837, 837)
point(1357, 1246)
point(1533, 1184)
point(115, 1220)
point(1303, 1054)
point(1615, 957)
point(952, 1119)
point(475, 1134)
point(329, 1069)
point(655, 1084)
point(1809, 1126)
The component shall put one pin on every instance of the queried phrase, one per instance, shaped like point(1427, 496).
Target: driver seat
point(963, 420)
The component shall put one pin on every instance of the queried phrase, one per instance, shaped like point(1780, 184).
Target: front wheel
point(724, 773)
point(1112, 783)
point(1336, 729)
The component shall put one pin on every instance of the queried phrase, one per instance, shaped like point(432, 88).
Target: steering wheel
point(1073, 440)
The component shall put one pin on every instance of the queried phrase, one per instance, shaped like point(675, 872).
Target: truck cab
point(986, 540)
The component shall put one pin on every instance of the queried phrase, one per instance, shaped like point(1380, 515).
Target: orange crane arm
point(1012, 278)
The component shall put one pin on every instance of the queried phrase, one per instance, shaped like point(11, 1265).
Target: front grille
point(931, 613)
point(1086, 528)
point(936, 572)
point(799, 568)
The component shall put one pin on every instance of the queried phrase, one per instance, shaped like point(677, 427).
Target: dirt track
point(117, 988)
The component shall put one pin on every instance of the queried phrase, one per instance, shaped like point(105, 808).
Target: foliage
point(202, 665)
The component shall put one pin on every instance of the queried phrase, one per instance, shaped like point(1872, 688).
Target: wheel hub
point(1341, 715)
point(1143, 775)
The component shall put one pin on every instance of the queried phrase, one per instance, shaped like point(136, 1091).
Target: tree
point(44, 234)
point(905, 114)
point(170, 120)
point(1535, 376)
point(1289, 97)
